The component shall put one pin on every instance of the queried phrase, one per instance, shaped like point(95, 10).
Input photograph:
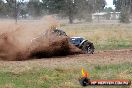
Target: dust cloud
point(32, 39)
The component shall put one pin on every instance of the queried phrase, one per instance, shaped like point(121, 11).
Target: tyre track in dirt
point(98, 58)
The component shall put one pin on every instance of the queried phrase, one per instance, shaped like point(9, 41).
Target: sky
point(110, 4)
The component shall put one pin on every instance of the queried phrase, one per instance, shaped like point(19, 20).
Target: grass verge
point(104, 36)
point(59, 77)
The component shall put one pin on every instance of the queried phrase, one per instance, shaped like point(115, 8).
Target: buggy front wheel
point(88, 47)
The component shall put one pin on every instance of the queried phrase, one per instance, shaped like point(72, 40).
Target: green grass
point(59, 77)
point(113, 43)
point(113, 46)
point(104, 36)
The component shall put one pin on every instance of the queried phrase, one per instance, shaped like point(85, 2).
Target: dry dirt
point(99, 57)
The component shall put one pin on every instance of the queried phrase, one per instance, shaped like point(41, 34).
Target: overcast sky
point(110, 3)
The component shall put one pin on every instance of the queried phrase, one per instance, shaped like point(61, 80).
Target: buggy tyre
point(88, 47)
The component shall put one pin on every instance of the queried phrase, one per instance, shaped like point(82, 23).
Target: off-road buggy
point(79, 42)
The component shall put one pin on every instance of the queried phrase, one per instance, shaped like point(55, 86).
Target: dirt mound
point(33, 39)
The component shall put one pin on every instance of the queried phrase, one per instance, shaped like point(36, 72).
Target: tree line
point(125, 7)
point(80, 9)
point(64, 8)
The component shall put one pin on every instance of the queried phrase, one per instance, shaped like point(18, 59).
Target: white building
point(114, 15)
point(105, 16)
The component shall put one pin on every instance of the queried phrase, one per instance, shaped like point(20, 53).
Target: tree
point(73, 8)
point(65, 7)
point(35, 8)
point(11, 8)
point(87, 7)
point(22, 9)
point(3, 9)
point(108, 9)
point(125, 7)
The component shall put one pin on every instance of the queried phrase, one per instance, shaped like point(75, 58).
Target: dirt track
point(99, 57)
